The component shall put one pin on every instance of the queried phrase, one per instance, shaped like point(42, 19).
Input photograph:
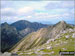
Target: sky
point(46, 12)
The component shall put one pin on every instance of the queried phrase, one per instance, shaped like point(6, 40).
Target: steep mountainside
point(26, 27)
point(9, 36)
point(40, 37)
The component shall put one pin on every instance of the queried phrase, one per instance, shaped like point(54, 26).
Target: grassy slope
point(69, 46)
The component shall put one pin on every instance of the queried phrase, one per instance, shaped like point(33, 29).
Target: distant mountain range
point(40, 37)
point(12, 33)
point(26, 27)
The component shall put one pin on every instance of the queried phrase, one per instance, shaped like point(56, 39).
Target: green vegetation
point(63, 45)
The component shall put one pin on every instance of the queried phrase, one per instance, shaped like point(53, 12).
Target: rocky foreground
point(5, 54)
point(8, 54)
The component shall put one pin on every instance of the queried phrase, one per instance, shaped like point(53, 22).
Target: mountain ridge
point(27, 24)
point(41, 36)
point(22, 26)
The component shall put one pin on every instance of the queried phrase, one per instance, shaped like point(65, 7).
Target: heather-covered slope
point(40, 37)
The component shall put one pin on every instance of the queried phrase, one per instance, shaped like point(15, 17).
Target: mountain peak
point(62, 21)
point(4, 24)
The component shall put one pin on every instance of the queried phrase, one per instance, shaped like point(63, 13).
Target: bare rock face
point(6, 54)
point(49, 47)
point(73, 35)
point(67, 36)
point(0, 53)
point(9, 54)
point(26, 31)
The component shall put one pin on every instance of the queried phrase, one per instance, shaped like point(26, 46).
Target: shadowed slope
point(9, 36)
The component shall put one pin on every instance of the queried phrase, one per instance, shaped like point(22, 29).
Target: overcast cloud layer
point(37, 11)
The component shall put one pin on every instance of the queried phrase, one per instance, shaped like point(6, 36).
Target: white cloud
point(8, 12)
point(6, 9)
point(25, 10)
point(47, 16)
point(60, 5)
point(29, 17)
point(72, 11)
point(67, 4)
point(41, 14)
point(16, 12)
point(60, 10)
